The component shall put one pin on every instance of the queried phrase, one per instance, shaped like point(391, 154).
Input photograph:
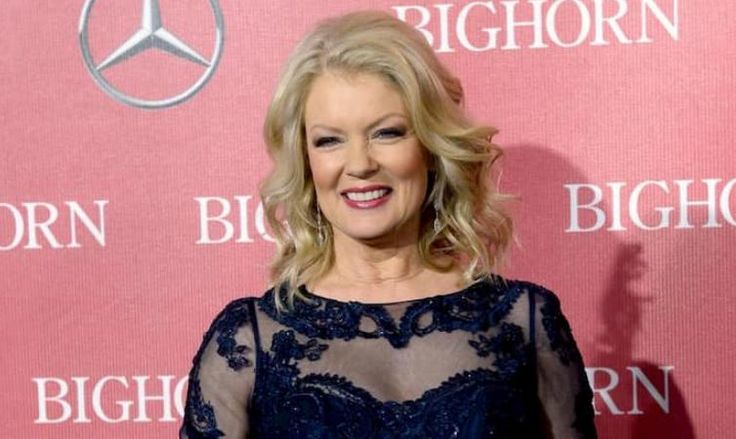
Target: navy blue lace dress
point(494, 360)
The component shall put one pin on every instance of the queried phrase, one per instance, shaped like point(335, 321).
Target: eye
point(325, 141)
point(389, 133)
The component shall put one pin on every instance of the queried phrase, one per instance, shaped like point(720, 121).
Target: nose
point(359, 161)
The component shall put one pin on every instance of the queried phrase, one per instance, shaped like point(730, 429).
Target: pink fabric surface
point(635, 130)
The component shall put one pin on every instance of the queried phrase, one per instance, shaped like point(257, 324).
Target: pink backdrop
point(124, 229)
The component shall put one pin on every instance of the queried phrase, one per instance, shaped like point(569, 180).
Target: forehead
point(347, 98)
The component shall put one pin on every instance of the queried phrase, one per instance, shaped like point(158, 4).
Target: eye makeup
point(390, 132)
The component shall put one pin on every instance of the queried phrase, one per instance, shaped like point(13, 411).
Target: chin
point(378, 228)
point(367, 236)
point(375, 234)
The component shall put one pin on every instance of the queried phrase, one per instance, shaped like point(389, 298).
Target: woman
point(385, 320)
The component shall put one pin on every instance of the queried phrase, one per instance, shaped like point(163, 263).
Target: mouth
point(366, 197)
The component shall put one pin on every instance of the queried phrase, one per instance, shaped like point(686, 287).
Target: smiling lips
point(366, 197)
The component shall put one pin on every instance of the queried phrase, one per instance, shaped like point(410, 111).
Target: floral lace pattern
point(481, 340)
point(474, 310)
point(558, 331)
point(289, 406)
point(562, 343)
point(200, 421)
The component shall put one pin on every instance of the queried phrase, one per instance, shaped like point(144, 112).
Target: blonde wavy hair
point(475, 230)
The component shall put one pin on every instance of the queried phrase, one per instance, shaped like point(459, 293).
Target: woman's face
point(368, 168)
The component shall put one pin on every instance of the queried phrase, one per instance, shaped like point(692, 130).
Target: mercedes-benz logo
point(151, 34)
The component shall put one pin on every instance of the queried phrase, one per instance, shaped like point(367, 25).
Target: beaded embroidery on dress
point(494, 360)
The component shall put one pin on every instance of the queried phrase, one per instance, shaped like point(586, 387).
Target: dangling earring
point(320, 229)
point(437, 225)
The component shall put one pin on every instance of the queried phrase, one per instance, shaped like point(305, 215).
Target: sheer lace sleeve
point(222, 377)
point(563, 389)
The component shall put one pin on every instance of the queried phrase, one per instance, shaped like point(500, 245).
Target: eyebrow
point(370, 126)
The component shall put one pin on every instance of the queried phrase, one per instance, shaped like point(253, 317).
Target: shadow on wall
point(607, 268)
point(621, 313)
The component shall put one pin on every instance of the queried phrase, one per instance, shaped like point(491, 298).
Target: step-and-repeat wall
point(130, 158)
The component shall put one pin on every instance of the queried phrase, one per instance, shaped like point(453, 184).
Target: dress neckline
point(311, 295)
point(473, 308)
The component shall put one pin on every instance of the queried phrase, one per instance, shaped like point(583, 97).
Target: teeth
point(366, 196)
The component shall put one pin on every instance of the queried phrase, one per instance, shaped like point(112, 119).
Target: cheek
point(412, 170)
point(323, 171)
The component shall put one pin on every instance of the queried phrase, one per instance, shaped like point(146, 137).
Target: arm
point(562, 386)
point(222, 377)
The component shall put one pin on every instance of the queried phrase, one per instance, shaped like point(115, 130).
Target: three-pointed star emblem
point(151, 34)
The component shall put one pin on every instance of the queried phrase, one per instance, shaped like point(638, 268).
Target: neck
point(374, 264)
point(389, 271)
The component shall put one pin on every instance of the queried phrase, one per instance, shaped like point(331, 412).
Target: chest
point(444, 384)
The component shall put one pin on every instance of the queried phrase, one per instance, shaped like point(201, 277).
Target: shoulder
point(524, 302)
point(518, 290)
point(235, 313)
point(231, 333)
point(553, 331)
point(537, 309)
point(528, 287)
point(536, 294)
